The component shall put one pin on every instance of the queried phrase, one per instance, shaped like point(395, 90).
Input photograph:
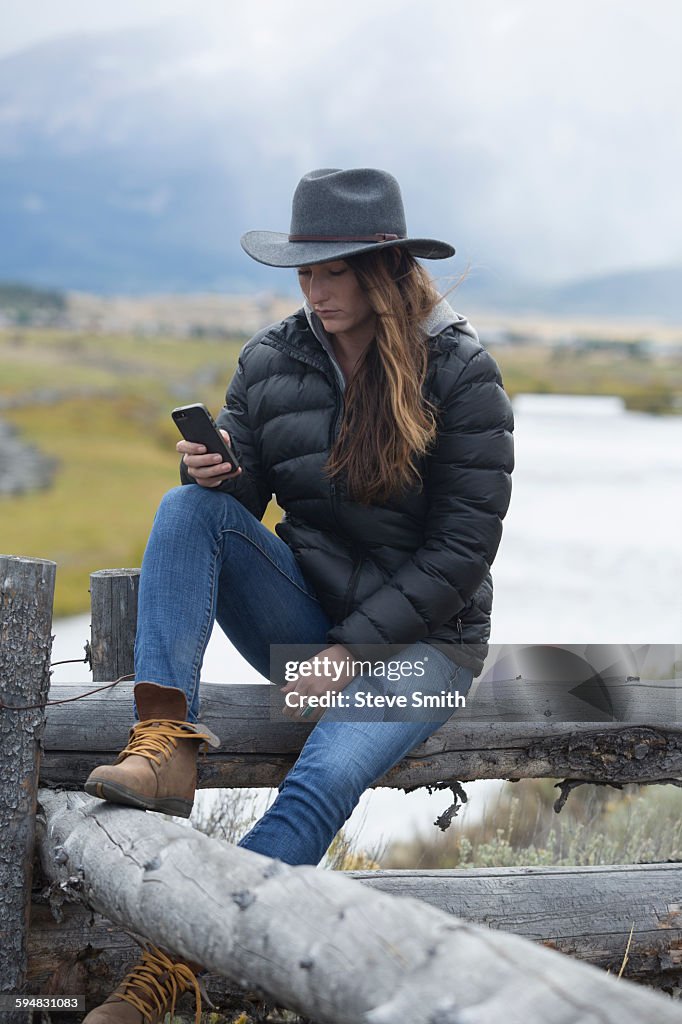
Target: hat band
point(379, 237)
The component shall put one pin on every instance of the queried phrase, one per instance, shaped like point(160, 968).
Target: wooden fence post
point(113, 596)
point(26, 598)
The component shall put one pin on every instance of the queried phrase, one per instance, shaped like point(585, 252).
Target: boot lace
point(157, 981)
point(158, 736)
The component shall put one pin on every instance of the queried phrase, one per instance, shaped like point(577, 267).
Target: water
point(590, 554)
point(591, 550)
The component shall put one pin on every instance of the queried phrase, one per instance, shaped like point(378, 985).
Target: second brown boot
point(157, 770)
point(149, 991)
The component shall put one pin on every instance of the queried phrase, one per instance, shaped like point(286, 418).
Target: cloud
point(547, 134)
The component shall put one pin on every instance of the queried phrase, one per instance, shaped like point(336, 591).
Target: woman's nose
point(318, 290)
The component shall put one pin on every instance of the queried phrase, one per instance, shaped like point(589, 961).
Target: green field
point(100, 405)
point(645, 384)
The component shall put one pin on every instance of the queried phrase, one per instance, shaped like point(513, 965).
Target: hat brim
point(274, 249)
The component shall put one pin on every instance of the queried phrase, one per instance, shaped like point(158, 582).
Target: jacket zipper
point(459, 630)
point(352, 586)
point(333, 431)
point(358, 556)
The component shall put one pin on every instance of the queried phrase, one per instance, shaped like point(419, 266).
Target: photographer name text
point(369, 699)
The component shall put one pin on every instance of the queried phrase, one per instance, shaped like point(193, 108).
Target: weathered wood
point(314, 941)
point(259, 745)
point(26, 596)
point(113, 599)
point(587, 913)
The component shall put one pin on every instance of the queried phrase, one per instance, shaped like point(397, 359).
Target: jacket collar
point(441, 317)
point(324, 339)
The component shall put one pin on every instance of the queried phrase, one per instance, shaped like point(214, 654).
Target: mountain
point(132, 161)
point(636, 293)
point(112, 181)
point(653, 292)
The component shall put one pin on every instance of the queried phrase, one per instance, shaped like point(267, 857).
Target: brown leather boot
point(157, 770)
point(149, 990)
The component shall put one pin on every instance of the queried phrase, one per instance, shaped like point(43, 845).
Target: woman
point(381, 425)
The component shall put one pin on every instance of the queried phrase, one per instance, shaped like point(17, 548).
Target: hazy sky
point(568, 112)
point(34, 21)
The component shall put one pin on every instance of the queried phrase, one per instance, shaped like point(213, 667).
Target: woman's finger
point(190, 447)
point(297, 703)
point(207, 465)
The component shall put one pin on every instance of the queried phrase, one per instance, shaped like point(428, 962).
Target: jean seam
point(204, 636)
point(255, 544)
point(227, 511)
point(454, 667)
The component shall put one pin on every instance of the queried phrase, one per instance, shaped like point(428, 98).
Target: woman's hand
point(204, 468)
point(330, 676)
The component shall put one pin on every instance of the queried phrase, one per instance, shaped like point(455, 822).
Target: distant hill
point(127, 167)
point(655, 293)
point(23, 304)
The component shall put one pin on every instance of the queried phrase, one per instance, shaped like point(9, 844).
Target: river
point(590, 554)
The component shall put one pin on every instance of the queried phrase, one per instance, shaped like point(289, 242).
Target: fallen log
point(259, 746)
point(312, 940)
point(592, 914)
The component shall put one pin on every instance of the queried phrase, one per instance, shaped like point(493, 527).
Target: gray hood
point(442, 316)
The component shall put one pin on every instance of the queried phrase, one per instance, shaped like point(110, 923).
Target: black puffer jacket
point(413, 568)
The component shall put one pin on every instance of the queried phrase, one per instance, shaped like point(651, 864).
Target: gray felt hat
point(336, 214)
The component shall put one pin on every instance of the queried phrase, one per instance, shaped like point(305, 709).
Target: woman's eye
point(337, 273)
point(303, 273)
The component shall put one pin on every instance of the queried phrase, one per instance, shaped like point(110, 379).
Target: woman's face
point(333, 291)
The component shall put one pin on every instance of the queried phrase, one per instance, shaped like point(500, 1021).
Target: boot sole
point(117, 794)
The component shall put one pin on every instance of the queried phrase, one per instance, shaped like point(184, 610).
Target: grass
point(104, 495)
point(101, 407)
point(598, 825)
point(644, 384)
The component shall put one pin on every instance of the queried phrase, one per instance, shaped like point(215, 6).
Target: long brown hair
point(387, 424)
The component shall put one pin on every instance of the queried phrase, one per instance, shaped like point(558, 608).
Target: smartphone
point(196, 424)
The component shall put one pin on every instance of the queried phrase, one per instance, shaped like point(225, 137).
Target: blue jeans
point(209, 558)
